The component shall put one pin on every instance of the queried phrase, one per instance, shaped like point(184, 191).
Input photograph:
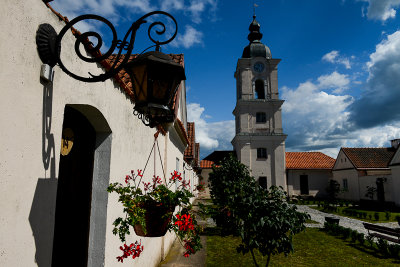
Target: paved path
point(354, 224)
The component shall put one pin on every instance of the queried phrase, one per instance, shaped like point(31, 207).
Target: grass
point(312, 248)
point(370, 214)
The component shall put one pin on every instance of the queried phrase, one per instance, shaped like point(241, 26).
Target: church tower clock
point(259, 142)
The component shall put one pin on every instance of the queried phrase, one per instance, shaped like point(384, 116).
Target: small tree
point(333, 189)
point(262, 218)
point(229, 183)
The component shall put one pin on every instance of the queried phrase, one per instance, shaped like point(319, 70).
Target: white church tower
point(259, 142)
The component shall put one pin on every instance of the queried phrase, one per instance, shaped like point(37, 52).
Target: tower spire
point(254, 9)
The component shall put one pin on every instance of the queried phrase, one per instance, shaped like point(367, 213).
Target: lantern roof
point(123, 78)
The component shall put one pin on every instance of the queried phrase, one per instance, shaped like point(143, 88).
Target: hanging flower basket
point(149, 207)
point(157, 219)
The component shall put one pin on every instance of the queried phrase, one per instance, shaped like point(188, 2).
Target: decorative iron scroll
point(126, 44)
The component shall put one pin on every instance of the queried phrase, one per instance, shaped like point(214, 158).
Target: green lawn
point(312, 248)
point(370, 214)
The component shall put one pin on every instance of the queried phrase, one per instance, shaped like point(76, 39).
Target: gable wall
point(342, 162)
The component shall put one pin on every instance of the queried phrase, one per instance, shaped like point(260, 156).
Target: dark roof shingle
point(368, 157)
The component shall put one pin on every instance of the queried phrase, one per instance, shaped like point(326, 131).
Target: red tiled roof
point(206, 164)
point(182, 128)
point(368, 157)
point(308, 160)
point(197, 154)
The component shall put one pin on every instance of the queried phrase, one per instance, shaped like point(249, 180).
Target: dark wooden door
point(380, 190)
point(304, 185)
point(71, 233)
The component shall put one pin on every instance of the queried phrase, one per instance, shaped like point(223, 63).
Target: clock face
point(258, 67)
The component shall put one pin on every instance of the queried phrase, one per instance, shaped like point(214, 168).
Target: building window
point(345, 185)
point(261, 153)
point(262, 181)
point(261, 117)
point(259, 89)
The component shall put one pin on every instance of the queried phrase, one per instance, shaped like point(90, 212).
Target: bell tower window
point(259, 89)
point(261, 117)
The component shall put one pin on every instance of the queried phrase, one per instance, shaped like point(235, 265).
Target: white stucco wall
point(396, 183)
point(357, 184)
point(317, 181)
point(23, 157)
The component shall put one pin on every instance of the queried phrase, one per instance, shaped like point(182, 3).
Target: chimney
point(395, 143)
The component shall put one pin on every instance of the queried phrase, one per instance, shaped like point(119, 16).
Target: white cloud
point(379, 102)
point(318, 120)
point(382, 9)
point(197, 7)
point(374, 137)
point(335, 80)
point(108, 8)
point(190, 38)
point(334, 57)
point(210, 135)
point(314, 119)
point(331, 56)
point(167, 5)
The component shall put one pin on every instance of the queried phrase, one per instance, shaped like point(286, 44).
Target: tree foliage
point(262, 218)
point(333, 189)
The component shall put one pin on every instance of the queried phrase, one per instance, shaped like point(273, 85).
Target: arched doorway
point(74, 191)
point(81, 207)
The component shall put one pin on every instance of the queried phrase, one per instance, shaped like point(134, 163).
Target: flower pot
point(157, 220)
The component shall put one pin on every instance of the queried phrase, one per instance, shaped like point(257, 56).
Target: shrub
point(346, 233)
point(370, 217)
point(354, 236)
point(383, 246)
point(394, 250)
point(387, 215)
point(376, 216)
point(370, 240)
point(361, 238)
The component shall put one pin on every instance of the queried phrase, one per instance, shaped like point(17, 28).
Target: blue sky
point(339, 74)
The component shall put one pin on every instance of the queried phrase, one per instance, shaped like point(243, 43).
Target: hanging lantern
point(155, 79)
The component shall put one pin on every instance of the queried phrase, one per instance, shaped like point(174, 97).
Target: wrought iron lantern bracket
point(49, 48)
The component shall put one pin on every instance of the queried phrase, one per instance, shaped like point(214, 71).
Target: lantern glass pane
point(160, 89)
point(139, 82)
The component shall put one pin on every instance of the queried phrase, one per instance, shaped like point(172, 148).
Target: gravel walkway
point(354, 224)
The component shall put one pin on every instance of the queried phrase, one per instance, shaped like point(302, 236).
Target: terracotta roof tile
point(206, 164)
point(218, 156)
point(308, 160)
point(197, 154)
point(182, 128)
point(369, 157)
point(191, 148)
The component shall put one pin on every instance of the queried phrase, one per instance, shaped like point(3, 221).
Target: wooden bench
point(383, 232)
